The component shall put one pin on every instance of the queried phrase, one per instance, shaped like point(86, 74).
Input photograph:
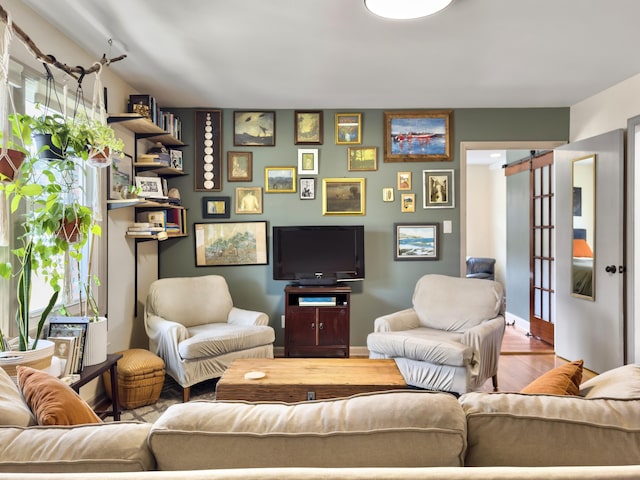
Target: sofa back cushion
point(13, 408)
point(190, 301)
point(513, 429)
point(621, 382)
point(455, 303)
point(392, 429)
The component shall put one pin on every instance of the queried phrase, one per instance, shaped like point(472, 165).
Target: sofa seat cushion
point(13, 408)
point(215, 339)
point(52, 401)
point(108, 447)
point(621, 382)
point(514, 429)
point(422, 344)
point(395, 428)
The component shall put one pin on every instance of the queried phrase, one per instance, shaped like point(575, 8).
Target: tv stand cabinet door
point(333, 328)
point(300, 330)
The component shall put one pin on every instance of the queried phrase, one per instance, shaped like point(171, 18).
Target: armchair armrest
point(164, 335)
point(486, 340)
point(402, 320)
point(239, 316)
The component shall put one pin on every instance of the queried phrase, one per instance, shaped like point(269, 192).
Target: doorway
point(517, 286)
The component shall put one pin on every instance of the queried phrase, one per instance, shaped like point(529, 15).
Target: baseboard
point(354, 352)
point(521, 323)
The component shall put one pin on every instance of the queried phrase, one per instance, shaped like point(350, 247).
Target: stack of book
point(317, 301)
point(172, 228)
point(138, 229)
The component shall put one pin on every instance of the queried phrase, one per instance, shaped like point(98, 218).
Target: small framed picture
point(438, 188)
point(176, 159)
point(307, 161)
point(307, 188)
point(348, 128)
point(408, 202)
point(388, 194)
point(343, 196)
point(416, 241)
point(216, 207)
point(121, 176)
point(404, 180)
point(256, 129)
point(239, 166)
point(151, 187)
point(362, 159)
point(249, 200)
point(231, 243)
point(280, 179)
point(308, 127)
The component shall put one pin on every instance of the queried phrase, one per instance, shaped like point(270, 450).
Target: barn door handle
point(610, 269)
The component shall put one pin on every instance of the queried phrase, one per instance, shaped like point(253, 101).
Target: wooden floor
point(523, 359)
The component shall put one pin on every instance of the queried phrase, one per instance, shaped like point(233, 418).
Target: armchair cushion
point(456, 304)
point(422, 344)
point(219, 338)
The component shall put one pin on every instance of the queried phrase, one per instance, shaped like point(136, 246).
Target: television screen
point(318, 255)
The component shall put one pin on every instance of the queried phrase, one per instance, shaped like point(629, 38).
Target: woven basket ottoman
point(140, 378)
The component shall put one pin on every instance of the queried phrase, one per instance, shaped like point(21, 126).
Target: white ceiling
point(272, 54)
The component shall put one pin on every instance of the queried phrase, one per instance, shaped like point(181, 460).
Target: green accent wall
point(389, 284)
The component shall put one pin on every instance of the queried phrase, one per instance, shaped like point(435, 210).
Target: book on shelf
point(146, 229)
point(141, 233)
point(317, 301)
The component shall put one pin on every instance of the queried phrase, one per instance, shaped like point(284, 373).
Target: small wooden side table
point(91, 372)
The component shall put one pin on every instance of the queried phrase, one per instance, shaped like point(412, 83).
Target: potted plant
point(46, 188)
point(94, 141)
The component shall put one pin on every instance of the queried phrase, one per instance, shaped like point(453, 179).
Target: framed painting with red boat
point(417, 136)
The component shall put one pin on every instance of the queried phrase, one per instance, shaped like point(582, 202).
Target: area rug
point(171, 394)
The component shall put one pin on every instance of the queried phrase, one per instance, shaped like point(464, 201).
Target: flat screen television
point(318, 255)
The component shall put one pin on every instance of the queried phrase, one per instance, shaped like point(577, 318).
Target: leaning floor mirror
point(584, 225)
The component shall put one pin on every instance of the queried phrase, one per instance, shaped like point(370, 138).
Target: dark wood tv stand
point(317, 328)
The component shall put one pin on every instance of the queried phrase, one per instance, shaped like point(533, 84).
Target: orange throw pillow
point(51, 401)
point(563, 380)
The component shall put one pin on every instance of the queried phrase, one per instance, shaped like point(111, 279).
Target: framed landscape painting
point(362, 159)
point(416, 241)
point(280, 179)
point(343, 196)
point(308, 127)
point(418, 136)
point(256, 129)
point(231, 243)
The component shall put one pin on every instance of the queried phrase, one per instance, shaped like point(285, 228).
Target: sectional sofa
point(396, 434)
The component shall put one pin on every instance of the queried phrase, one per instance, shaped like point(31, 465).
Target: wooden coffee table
point(299, 379)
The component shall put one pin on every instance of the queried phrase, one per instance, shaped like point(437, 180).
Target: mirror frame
point(583, 287)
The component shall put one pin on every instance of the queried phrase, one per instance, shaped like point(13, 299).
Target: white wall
point(486, 219)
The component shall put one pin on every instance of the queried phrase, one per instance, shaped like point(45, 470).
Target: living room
point(127, 267)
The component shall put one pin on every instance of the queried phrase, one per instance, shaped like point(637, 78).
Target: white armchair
point(450, 339)
point(194, 327)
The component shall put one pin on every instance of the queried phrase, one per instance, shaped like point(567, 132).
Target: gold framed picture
point(249, 200)
point(408, 202)
point(417, 136)
point(343, 196)
point(362, 159)
point(348, 128)
point(280, 179)
point(404, 180)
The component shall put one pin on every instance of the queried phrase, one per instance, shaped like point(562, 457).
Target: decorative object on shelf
point(231, 243)
point(348, 128)
point(248, 200)
point(438, 188)
point(150, 187)
point(239, 166)
point(120, 177)
point(208, 148)
point(404, 180)
point(417, 136)
point(308, 127)
point(416, 241)
point(216, 207)
point(343, 196)
point(176, 159)
point(408, 202)
point(280, 179)
point(174, 194)
point(307, 161)
point(363, 159)
point(307, 188)
point(256, 129)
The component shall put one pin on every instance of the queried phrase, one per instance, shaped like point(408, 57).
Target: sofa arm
point(486, 341)
point(106, 447)
point(239, 316)
point(402, 320)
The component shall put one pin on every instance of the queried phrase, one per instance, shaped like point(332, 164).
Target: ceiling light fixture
point(405, 9)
